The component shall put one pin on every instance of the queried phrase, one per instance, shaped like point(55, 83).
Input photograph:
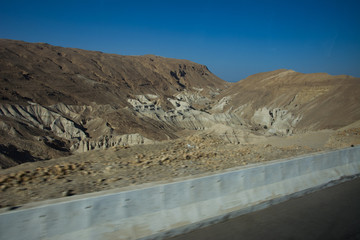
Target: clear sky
point(233, 38)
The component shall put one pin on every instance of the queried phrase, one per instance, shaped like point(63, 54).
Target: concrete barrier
point(155, 211)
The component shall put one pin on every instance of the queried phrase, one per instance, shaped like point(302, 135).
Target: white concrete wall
point(151, 211)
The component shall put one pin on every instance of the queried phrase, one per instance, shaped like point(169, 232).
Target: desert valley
point(74, 121)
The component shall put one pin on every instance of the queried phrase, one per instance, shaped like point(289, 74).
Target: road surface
point(332, 213)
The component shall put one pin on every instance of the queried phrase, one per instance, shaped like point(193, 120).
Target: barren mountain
point(48, 75)
point(285, 101)
point(58, 101)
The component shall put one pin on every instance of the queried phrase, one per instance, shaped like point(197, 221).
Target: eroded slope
point(283, 101)
point(56, 101)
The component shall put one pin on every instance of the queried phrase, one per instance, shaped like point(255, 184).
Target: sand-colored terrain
point(74, 121)
point(124, 166)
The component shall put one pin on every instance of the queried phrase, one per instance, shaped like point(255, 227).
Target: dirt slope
point(285, 100)
point(47, 74)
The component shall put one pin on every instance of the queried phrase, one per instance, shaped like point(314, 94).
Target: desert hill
point(285, 101)
point(58, 101)
point(48, 74)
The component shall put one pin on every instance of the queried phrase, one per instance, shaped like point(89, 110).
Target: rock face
point(276, 120)
point(110, 141)
point(182, 115)
point(58, 101)
point(39, 117)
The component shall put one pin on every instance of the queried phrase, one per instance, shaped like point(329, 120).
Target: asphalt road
point(332, 213)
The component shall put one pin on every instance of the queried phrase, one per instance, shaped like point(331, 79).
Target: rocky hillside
point(48, 75)
point(286, 102)
point(58, 101)
point(55, 101)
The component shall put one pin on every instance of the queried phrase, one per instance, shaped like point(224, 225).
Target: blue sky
point(233, 38)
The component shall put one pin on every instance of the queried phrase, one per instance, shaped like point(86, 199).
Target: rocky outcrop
point(276, 121)
point(183, 115)
point(220, 105)
point(109, 141)
point(44, 119)
point(4, 127)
